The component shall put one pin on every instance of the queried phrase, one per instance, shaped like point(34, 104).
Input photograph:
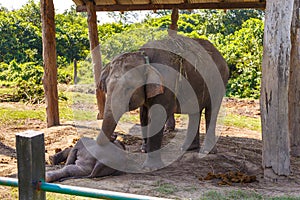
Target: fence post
point(31, 164)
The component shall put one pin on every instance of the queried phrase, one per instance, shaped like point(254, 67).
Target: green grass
point(13, 195)
point(242, 122)
point(241, 194)
point(5, 90)
point(165, 188)
point(11, 115)
point(79, 106)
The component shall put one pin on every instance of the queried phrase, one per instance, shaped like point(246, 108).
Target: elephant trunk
point(109, 123)
point(108, 126)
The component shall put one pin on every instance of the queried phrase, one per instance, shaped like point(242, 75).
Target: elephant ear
point(154, 82)
point(103, 78)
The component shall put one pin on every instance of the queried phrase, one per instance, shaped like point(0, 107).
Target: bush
point(26, 79)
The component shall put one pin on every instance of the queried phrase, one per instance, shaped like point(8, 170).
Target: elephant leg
point(210, 137)
point(170, 125)
point(60, 156)
point(65, 172)
point(144, 123)
point(191, 141)
point(101, 170)
point(157, 121)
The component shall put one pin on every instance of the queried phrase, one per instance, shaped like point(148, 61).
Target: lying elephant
point(146, 78)
point(80, 162)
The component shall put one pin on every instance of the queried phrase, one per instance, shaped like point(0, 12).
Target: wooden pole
point(174, 19)
point(96, 55)
point(294, 87)
point(75, 71)
point(31, 164)
point(274, 89)
point(50, 67)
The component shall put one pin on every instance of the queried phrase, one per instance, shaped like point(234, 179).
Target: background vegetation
point(238, 34)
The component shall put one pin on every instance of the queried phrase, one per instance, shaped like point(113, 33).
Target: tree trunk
point(294, 86)
point(75, 71)
point(274, 89)
point(96, 55)
point(50, 67)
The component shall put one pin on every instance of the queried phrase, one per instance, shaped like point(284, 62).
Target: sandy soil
point(238, 150)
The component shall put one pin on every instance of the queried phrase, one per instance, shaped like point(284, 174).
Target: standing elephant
point(162, 75)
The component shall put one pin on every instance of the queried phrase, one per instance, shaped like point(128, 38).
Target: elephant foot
point(192, 147)
point(153, 163)
point(168, 129)
point(214, 150)
point(50, 177)
point(144, 148)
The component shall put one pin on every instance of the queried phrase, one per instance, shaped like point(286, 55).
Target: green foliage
point(243, 53)
point(26, 79)
point(71, 37)
point(238, 34)
point(128, 41)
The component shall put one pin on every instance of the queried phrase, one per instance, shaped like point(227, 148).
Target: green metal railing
point(79, 191)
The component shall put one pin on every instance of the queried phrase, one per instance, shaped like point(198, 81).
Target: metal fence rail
point(79, 191)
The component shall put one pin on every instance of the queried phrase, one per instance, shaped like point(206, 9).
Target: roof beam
point(182, 6)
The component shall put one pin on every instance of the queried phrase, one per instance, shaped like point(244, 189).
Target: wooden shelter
point(280, 89)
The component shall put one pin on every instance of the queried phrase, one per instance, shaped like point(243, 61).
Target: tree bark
point(50, 67)
point(96, 55)
point(294, 86)
point(274, 89)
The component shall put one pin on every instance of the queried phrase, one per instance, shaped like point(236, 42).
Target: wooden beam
point(31, 164)
point(50, 66)
point(294, 87)
point(183, 6)
point(274, 89)
point(96, 55)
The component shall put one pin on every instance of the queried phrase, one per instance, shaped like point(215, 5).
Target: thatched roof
point(128, 5)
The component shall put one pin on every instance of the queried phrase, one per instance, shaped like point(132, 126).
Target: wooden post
point(294, 88)
point(96, 55)
point(174, 27)
point(75, 71)
point(274, 89)
point(31, 164)
point(50, 67)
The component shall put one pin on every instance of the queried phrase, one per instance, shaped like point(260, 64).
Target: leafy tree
point(71, 36)
point(243, 53)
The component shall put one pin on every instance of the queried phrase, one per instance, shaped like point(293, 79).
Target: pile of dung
point(230, 178)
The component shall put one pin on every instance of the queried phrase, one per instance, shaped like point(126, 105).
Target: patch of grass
point(232, 194)
point(285, 198)
point(12, 194)
point(165, 188)
point(133, 118)
point(80, 98)
point(10, 115)
point(6, 90)
point(242, 122)
point(241, 194)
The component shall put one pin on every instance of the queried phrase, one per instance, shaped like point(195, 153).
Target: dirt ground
point(238, 150)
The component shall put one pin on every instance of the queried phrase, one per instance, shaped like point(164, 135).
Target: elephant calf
point(80, 162)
